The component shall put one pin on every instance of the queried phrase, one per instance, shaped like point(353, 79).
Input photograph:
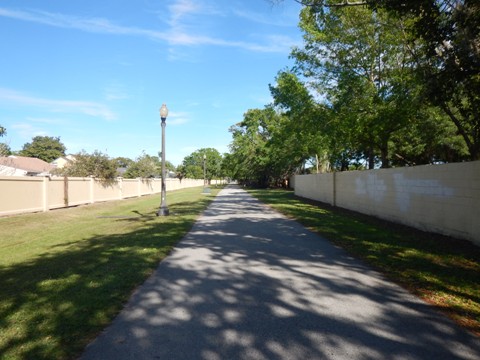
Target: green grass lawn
point(66, 273)
point(443, 271)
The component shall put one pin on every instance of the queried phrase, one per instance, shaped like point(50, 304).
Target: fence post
point(92, 183)
point(65, 190)
point(120, 187)
point(334, 188)
point(45, 183)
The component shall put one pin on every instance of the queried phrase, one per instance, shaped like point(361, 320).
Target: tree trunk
point(384, 156)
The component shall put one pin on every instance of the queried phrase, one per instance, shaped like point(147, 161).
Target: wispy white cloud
point(57, 106)
point(181, 31)
point(27, 131)
point(178, 118)
point(180, 9)
point(49, 121)
point(260, 18)
point(115, 91)
point(95, 25)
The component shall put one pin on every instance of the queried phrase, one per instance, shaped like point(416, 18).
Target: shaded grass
point(442, 271)
point(65, 274)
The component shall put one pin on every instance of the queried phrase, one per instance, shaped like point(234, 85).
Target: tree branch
point(343, 3)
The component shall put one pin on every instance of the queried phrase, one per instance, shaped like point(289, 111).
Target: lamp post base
point(163, 211)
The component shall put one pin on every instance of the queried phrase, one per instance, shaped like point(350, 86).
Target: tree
point(359, 62)
point(305, 118)
point(97, 164)
point(181, 172)
point(193, 165)
point(227, 168)
point(263, 150)
point(431, 139)
point(444, 38)
point(449, 59)
point(123, 162)
point(168, 164)
point(145, 166)
point(46, 148)
point(249, 147)
point(4, 148)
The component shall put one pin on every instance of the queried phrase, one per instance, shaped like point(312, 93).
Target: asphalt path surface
point(248, 283)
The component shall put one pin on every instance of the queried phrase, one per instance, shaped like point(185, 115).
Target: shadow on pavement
point(247, 283)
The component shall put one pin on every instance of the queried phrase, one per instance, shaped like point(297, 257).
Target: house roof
point(63, 161)
point(28, 164)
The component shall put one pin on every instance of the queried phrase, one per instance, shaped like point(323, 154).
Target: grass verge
point(66, 273)
point(442, 271)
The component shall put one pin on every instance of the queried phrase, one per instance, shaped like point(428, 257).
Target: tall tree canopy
point(265, 149)
point(376, 83)
point(444, 41)
point(193, 165)
point(304, 126)
point(46, 148)
point(359, 61)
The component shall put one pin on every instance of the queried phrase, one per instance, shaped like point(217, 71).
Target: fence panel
point(79, 191)
point(57, 193)
point(22, 194)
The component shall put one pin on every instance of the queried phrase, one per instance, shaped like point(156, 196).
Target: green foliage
point(363, 65)
point(46, 148)
point(359, 62)
point(442, 38)
point(448, 59)
point(194, 164)
point(5, 150)
point(123, 162)
point(181, 172)
point(169, 166)
point(263, 152)
point(145, 166)
point(97, 164)
point(433, 138)
point(227, 168)
point(358, 96)
point(304, 118)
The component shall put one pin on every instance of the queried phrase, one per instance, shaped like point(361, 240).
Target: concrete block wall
point(439, 198)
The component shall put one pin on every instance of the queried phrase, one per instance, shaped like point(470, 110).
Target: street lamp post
point(163, 211)
point(204, 172)
point(206, 189)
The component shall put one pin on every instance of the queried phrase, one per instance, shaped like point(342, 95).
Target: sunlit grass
point(66, 273)
point(443, 271)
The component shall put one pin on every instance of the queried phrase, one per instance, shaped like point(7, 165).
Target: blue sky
point(95, 73)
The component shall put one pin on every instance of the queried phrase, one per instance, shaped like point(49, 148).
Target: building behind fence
point(22, 194)
point(443, 199)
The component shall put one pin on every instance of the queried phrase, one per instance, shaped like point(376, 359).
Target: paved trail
point(247, 283)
